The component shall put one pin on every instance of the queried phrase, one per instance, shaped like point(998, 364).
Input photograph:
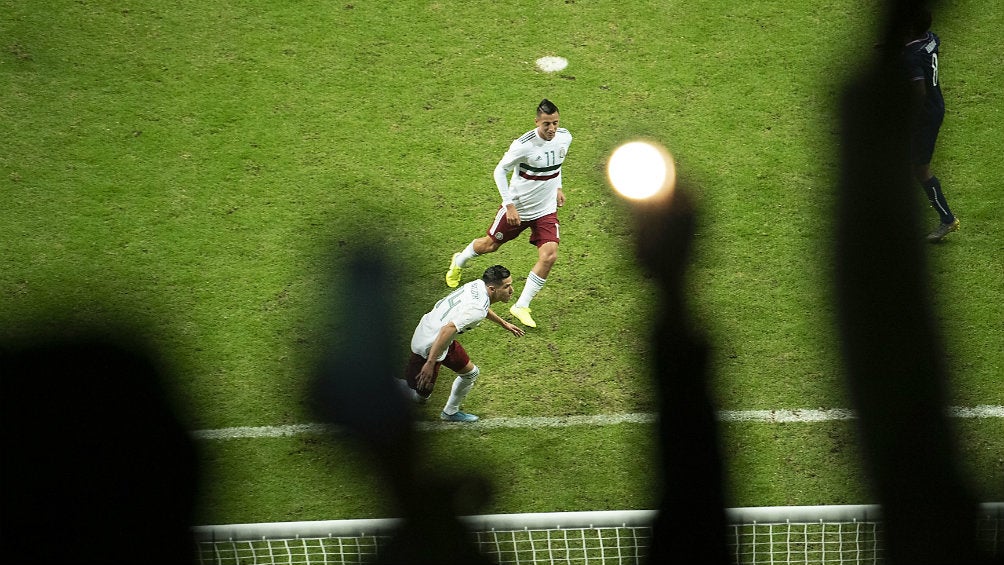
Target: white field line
point(763, 416)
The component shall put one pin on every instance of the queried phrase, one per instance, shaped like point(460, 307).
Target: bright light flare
point(641, 170)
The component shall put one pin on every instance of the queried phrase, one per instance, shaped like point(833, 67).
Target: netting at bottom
point(613, 545)
point(757, 543)
point(331, 550)
point(578, 545)
point(796, 543)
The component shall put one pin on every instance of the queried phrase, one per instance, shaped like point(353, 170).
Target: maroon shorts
point(542, 230)
point(456, 359)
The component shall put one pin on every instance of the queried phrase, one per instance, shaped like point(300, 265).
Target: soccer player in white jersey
point(434, 341)
point(530, 199)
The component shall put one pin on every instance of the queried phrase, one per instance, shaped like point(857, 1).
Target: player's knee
point(548, 256)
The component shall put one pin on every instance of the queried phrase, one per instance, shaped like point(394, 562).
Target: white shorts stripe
point(499, 216)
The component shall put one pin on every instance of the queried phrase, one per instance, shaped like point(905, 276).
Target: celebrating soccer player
point(529, 200)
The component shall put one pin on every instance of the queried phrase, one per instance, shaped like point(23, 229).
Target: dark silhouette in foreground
point(96, 466)
point(892, 351)
point(97, 469)
point(355, 390)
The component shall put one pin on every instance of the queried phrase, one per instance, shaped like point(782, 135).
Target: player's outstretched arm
point(512, 328)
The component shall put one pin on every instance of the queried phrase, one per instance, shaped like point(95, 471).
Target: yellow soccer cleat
point(523, 315)
point(453, 273)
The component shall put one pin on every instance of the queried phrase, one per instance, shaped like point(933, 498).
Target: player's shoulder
point(931, 42)
point(527, 137)
point(923, 46)
point(564, 135)
point(476, 291)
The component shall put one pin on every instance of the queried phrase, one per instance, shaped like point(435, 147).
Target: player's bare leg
point(486, 244)
point(547, 255)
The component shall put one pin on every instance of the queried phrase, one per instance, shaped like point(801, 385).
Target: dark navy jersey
point(921, 59)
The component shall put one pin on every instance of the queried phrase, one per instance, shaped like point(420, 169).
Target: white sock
point(530, 289)
point(466, 255)
point(461, 386)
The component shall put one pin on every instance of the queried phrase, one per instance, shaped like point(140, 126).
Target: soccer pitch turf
point(197, 168)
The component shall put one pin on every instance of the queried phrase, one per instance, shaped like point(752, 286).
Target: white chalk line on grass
point(764, 416)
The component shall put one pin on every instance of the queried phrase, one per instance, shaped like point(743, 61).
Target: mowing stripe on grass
point(764, 416)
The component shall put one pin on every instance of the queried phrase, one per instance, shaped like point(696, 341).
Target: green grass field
point(198, 167)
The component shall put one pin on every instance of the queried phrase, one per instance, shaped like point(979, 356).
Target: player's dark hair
point(495, 274)
point(909, 22)
point(546, 107)
point(920, 21)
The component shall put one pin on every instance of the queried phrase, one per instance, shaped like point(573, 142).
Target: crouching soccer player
point(434, 341)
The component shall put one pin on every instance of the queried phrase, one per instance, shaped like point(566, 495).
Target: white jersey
point(466, 307)
point(535, 165)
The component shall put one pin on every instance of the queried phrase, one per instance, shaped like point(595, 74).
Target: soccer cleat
point(523, 315)
point(453, 273)
point(943, 230)
point(458, 416)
